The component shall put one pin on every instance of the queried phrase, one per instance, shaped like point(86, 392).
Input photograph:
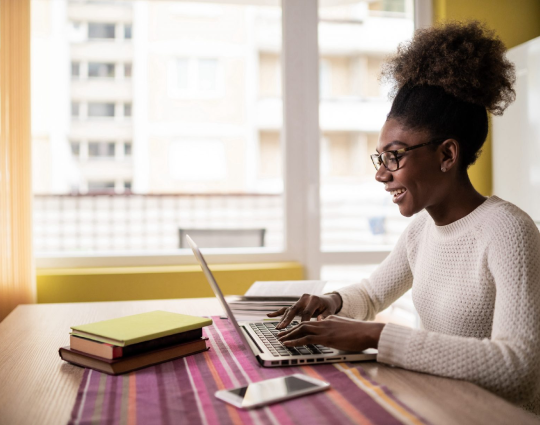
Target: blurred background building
point(150, 116)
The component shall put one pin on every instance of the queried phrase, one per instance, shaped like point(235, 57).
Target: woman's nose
point(383, 175)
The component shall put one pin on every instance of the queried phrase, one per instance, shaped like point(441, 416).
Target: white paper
point(286, 288)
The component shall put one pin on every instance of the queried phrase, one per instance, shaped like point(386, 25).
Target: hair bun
point(465, 59)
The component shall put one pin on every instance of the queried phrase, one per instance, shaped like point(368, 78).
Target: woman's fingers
point(279, 312)
point(312, 306)
point(303, 329)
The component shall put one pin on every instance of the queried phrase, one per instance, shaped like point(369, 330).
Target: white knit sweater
point(476, 287)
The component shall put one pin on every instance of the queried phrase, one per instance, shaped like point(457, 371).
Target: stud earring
point(443, 169)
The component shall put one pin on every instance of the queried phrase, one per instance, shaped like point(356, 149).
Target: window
point(195, 77)
point(101, 149)
point(75, 70)
point(75, 109)
point(101, 31)
point(75, 149)
point(101, 186)
point(127, 31)
point(100, 110)
point(207, 74)
point(211, 101)
point(100, 70)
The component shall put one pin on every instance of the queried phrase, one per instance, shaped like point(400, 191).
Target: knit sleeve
point(507, 363)
point(388, 282)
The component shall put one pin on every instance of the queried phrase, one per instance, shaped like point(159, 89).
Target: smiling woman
point(472, 262)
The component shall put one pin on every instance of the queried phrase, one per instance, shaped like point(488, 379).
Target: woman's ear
point(449, 154)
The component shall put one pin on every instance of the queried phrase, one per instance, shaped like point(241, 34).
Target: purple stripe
point(162, 395)
point(147, 391)
point(78, 400)
point(108, 412)
point(200, 388)
point(91, 396)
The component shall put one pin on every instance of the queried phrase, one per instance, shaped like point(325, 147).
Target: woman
point(473, 263)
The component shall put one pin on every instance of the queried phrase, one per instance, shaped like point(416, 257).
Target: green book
point(139, 327)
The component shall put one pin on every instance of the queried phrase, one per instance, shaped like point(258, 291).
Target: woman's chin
point(405, 211)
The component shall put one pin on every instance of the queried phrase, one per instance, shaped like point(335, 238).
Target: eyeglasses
point(390, 159)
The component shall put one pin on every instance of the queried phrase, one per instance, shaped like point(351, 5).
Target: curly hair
point(446, 78)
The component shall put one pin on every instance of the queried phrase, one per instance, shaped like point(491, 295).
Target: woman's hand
point(309, 306)
point(335, 332)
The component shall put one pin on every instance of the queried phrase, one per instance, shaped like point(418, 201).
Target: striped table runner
point(182, 392)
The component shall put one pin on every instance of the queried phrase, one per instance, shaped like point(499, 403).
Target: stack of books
point(129, 343)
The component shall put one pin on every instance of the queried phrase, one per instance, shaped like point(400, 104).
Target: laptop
point(260, 336)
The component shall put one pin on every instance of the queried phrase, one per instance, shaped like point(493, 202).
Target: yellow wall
point(515, 22)
point(146, 283)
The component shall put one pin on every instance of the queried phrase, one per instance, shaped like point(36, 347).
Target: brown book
point(137, 361)
point(110, 351)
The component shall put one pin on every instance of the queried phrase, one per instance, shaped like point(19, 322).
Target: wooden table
point(37, 387)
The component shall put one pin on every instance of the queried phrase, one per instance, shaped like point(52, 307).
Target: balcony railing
point(107, 222)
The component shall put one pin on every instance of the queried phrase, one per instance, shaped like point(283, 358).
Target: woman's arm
point(508, 363)
point(387, 283)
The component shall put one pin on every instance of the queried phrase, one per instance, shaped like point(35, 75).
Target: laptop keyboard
point(267, 332)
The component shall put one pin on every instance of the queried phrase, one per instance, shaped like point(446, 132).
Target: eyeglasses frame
point(377, 156)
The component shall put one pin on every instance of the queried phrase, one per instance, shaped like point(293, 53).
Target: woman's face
point(417, 183)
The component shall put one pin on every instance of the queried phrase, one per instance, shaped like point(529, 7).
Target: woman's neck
point(459, 201)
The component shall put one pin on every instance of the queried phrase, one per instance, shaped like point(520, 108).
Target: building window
point(207, 75)
point(75, 149)
point(127, 31)
point(101, 149)
point(127, 149)
point(101, 31)
point(75, 109)
point(75, 70)
point(127, 109)
point(100, 110)
point(100, 186)
point(127, 70)
point(127, 186)
point(195, 77)
point(100, 70)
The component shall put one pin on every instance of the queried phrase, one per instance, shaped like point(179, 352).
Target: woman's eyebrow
point(395, 142)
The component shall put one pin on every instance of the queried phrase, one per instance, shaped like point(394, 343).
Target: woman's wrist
point(375, 333)
point(337, 300)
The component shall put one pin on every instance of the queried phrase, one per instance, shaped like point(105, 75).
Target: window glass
point(75, 109)
point(101, 150)
point(75, 149)
point(100, 186)
point(127, 31)
point(75, 69)
point(101, 31)
point(193, 153)
point(354, 38)
point(207, 73)
point(100, 109)
point(182, 74)
point(100, 70)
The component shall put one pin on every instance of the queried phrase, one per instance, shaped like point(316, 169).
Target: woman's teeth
point(397, 192)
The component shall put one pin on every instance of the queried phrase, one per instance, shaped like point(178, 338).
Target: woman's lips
point(397, 197)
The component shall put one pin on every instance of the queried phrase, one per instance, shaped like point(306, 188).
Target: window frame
point(302, 229)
